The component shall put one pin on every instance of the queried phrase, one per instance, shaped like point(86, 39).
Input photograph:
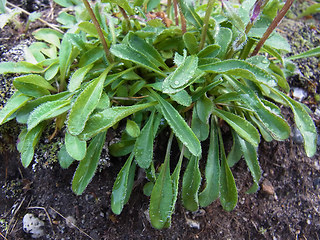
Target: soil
point(286, 207)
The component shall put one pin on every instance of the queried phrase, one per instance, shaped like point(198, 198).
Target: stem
point(99, 30)
point(175, 6)
point(206, 23)
point(169, 9)
point(40, 19)
point(124, 14)
point(183, 22)
point(272, 26)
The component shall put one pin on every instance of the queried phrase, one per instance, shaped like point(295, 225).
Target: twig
point(3, 236)
point(175, 6)
point(272, 26)
point(80, 230)
point(14, 215)
point(40, 19)
point(99, 30)
point(126, 18)
point(183, 22)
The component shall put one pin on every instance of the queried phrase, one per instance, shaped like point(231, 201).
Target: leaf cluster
point(195, 77)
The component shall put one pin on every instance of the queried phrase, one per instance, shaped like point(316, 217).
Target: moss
point(13, 188)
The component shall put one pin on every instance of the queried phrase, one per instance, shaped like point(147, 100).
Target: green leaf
point(104, 102)
point(65, 3)
point(241, 69)
point(75, 147)
point(147, 50)
point(48, 35)
point(212, 170)
point(19, 67)
point(34, 16)
point(223, 39)
point(210, 51)
point(78, 77)
point(275, 125)
point(143, 148)
point(314, 8)
point(33, 85)
point(251, 158)
point(315, 52)
point(123, 4)
point(125, 52)
point(228, 189)
point(175, 185)
point(24, 112)
point(180, 77)
point(130, 183)
point(234, 155)
point(91, 56)
point(147, 188)
point(3, 6)
point(101, 121)
point(162, 194)
point(304, 124)
point(191, 184)
point(243, 127)
point(187, 8)
point(182, 97)
point(233, 16)
point(88, 165)
point(46, 111)
point(132, 128)
point(120, 187)
point(21, 137)
point(85, 103)
point(179, 126)
point(65, 56)
point(51, 71)
point(122, 148)
point(204, 108)
point(200, 129)
point(191, 42)
point(151, 4)
point(17, 101)
point(67, 20)
point(30, 140)
point(65, 160)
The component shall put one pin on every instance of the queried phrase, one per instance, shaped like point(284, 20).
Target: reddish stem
point(272, 26)
point(175, 5)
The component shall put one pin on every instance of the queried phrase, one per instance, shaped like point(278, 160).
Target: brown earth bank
point(287, 206)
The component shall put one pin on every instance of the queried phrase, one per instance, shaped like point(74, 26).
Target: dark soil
point(286, 207)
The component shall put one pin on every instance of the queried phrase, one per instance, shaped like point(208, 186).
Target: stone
point(33, 225)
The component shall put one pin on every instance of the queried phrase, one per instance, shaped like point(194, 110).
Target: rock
point(267, 187)
point(299, 94)
point(193, 223)
point(296, 135)
point(33, 225)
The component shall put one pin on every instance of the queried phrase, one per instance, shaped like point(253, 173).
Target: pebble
point(299, 94)
point(33, 225)
point(193, 223)
point(296, 135)
point(267, 187)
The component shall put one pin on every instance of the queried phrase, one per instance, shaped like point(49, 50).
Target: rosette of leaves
point(194, 76)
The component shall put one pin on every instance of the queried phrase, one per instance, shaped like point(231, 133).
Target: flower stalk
point(99, 30)
point(206, 23)
point(272, 26)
